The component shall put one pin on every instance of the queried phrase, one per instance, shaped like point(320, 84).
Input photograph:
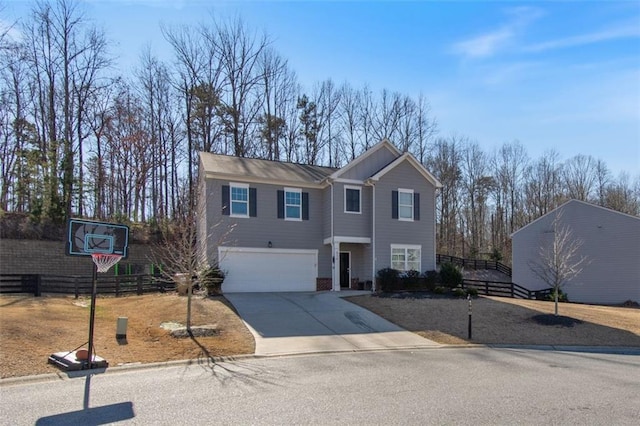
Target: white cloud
point(630, 30)
point(491, 42)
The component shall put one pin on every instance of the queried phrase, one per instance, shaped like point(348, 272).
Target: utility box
point(121, 328)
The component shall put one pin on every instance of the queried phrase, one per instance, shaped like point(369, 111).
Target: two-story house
point(299, 227)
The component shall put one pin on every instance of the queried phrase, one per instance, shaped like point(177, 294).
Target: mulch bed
point(551, 319)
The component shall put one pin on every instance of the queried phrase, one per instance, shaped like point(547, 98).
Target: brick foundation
point(354, 283)
point(323, 284)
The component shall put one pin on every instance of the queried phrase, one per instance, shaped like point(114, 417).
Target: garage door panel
point(260, 270)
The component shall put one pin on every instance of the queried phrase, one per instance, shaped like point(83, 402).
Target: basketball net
point(104, 261)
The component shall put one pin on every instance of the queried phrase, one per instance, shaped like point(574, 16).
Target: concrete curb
point(11, 381)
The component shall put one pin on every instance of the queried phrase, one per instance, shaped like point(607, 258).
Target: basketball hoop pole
point(94, 291)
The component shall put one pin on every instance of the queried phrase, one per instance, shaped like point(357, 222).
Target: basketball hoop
point(104, 261)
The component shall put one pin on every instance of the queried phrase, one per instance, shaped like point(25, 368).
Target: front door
point(345, 269)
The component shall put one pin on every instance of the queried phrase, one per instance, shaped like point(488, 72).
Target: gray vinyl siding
point(326, 212)
point(360, 260)
point(611, 241)
point(393, 231)
point(373, 164)
point(258, 231)
point(352, 224)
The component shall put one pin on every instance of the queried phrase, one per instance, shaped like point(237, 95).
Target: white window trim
point(299, 191)
point(359, 189)
point(238, 185)
point(406, 247)
point(406, 191)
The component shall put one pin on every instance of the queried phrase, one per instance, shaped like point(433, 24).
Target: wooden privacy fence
point(507, 289)
point(82, 285)
point(474, 263)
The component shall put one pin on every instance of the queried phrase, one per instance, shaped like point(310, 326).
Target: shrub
point(389, 279)
point(496, 255)
point(439, 290)
point(211, 279)
point(473, 292)
point(562, 296)
point(458, 292)
point(410, 280)
point(450, 275)
point(430, 279)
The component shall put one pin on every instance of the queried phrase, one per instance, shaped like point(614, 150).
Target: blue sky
point(553, 75)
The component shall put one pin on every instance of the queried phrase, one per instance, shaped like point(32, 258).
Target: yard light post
point(469, 299)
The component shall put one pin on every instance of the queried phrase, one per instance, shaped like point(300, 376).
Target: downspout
point(373, 238)
point(435, 228)
point(333, 254)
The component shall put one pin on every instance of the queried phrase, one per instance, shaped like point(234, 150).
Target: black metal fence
point(82, 285)
point(474, 263)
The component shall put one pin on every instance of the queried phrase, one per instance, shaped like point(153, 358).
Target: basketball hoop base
point(68, 361)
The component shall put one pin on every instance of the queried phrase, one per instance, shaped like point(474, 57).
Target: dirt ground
point(501, 320)
point(32, 328)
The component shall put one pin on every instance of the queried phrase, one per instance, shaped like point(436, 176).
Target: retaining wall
point(48, 258)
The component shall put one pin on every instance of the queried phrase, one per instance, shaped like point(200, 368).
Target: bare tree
point(580, 175)
point(445, 162)
point(350, 121)
point(180, 255)
point(559, 260)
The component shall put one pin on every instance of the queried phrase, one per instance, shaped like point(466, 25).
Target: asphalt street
point(467, 386)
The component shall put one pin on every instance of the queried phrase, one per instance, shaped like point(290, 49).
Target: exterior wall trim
point(352, 240)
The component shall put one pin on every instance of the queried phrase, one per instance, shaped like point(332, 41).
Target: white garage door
point(256, 269)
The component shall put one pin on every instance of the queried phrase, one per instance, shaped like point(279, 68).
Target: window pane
point(413, 259)
point(398, 265)
point(398, 259)
point(292, 198)
point(293, 212)
point(353, 200)
point(239, 194)
point(239, 207)
point(405, 212)
point(405, 198)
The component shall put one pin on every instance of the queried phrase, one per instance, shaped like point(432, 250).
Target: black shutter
point(305, 206)
point(225, 200)
point(280, 204)
point(394, 204)
point(253, 205)
point(416, 206)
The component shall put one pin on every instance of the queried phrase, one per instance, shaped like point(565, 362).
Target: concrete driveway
point(311, 322)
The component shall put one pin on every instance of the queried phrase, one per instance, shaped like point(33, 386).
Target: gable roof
point(414, 162)
point(383, 144)
point(577, 203)
point(253, 169)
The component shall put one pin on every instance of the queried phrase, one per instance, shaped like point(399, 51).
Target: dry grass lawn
point(32, 328)
point(499, 320)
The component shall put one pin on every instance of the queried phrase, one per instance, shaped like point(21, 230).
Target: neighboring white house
point(611, 242)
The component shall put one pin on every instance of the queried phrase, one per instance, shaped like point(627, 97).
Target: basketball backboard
point(86, 237)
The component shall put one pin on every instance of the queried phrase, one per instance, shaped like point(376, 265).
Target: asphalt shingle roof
point(230, 166)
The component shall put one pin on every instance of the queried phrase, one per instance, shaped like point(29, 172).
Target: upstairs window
point(352, 198)
point(239, 200)
point(405, 205)
point(292, 204)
